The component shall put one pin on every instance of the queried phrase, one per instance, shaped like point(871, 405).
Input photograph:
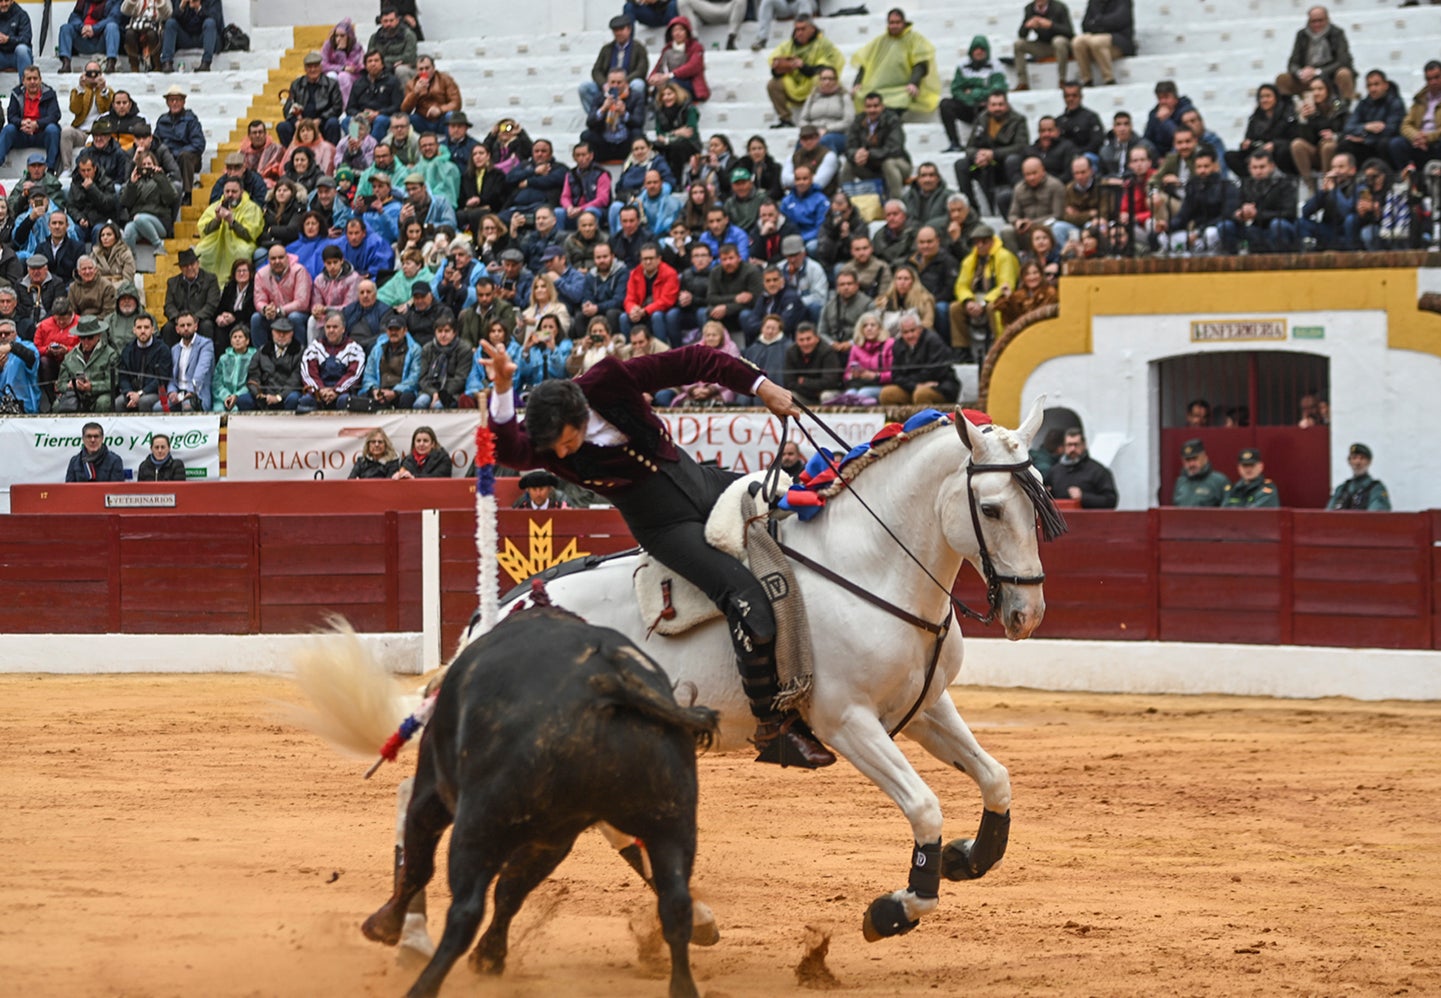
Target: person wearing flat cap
point(539, 491)
point(1253, 490)
point(1360, 491)
point(314, 96)
point(1199, 484)
point(623, 51)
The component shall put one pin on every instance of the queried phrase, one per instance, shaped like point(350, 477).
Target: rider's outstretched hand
point(777, 399)
point(500, 366)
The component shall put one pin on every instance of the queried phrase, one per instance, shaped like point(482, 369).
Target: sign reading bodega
point(748, 441)
point(1237, 330)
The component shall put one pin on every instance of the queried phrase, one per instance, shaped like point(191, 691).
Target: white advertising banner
point(263, 447)
point(324, 446)
point(748, 441)
point(38, 449)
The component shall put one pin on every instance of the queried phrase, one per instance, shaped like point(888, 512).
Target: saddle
point(671, 605)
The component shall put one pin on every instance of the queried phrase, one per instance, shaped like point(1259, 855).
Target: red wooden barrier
point(1254, 576)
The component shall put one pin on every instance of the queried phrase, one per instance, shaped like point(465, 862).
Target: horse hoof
point(382, 927)
point(704, 931)
point(956, 860)
point(886, 917)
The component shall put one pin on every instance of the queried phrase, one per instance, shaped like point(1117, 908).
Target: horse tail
point(356, 704)
point(627, 688)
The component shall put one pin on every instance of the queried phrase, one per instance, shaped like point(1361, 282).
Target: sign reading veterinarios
point(37, 449)
point(323, 446)
point(748, 441)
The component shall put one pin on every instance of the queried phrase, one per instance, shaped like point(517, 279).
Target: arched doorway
point(1271, 400)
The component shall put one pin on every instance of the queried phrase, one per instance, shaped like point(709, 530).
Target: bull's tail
point(626, 688)
point(356, 703)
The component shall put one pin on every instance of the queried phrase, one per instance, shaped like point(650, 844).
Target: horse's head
point(988, 512)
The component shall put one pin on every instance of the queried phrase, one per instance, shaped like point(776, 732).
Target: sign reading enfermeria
point(1238, 330)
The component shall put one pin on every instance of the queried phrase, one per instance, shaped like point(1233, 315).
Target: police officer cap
point(538, 479)
point(1249, 455)
point(1361, 449)
point(1193, 448)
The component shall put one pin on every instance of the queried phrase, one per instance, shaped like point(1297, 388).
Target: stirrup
point(790, 742)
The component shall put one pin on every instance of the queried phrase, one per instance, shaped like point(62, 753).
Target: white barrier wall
point(446, 18)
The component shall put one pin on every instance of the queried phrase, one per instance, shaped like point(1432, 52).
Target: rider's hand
point(777, 399)
point(501, 367)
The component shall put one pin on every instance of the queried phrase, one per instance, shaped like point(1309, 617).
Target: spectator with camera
point(19, 372)
point(86, 382)
point(1328, 218)
point(88, 103)
point(430, 98)
point(624, 52)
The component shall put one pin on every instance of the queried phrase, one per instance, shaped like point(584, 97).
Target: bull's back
point(521, 721)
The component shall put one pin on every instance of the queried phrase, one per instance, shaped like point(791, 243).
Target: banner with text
point(324, 446)
point(748, 441)
point(38, 449)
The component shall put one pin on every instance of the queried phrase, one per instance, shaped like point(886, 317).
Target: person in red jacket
point(652, 289)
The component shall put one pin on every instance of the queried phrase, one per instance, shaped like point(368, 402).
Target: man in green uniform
point(1200, 484)
point(1361, 491)
point(1253, 490)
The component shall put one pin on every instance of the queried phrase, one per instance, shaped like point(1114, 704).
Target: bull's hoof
point(704, 931)
point(383, 926)
point(886, 917)
point(487, 960)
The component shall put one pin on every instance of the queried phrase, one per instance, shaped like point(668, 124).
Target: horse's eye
point(991, 511)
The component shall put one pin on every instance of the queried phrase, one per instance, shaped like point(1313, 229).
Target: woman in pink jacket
point(343, 58)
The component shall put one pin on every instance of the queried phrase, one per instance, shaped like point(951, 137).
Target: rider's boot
point(781, 738)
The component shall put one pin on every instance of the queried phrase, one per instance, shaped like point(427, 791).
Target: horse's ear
point(1032, 424)
point(964, 428)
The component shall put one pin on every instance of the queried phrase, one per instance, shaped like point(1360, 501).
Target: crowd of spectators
point(354, 256)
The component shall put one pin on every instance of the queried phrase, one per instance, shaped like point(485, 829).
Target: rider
point(599, 431)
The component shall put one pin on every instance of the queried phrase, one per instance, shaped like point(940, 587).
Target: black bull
point(543, 727)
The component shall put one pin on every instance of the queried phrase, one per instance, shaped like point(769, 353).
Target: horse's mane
point(878, 451)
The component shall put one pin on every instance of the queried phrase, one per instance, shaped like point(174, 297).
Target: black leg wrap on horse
point(886, 917)
point(968, 859)
point(925, 879)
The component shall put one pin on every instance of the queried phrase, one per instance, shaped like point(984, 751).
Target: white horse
point(948, 496)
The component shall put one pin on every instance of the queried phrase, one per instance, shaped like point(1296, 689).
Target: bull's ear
point(964, 428)
point(1032, 425)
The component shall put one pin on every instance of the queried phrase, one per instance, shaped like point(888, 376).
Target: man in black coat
point(1079, 476)
point(921, 372)
point(274, 380)
point(313, 95)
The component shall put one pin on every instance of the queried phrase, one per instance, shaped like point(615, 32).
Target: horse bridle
point(994, 580)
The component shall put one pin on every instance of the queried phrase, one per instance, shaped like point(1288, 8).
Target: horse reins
point(994, 580)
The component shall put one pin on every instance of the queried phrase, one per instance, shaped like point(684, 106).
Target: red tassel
point(392, 747)
point(484, 446)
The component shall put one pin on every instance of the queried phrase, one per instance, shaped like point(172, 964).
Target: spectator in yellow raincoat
point(899, 65)
point(228, 229)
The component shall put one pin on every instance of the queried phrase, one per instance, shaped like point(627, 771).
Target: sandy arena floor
point(166, 836)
